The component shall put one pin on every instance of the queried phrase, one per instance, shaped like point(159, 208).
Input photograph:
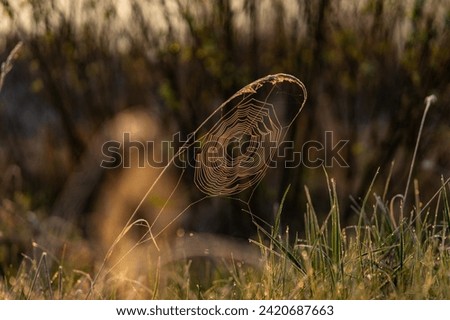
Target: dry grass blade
point(428, 102)
point(8, 64)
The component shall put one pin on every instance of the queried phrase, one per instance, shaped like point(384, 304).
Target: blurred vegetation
point(367, 65)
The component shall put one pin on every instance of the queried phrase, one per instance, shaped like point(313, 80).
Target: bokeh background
point(89, 70)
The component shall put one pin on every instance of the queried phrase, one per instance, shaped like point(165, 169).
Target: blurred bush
point(367, 65)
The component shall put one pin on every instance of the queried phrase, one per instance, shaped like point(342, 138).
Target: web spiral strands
point(236, 152)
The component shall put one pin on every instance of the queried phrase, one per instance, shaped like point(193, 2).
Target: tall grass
point(366, 63)
point(387, 255)
point(375, 259)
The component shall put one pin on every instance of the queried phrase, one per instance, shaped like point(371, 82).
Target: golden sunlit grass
point(379, 258)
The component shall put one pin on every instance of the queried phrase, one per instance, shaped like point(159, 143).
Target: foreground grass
point(383, 256)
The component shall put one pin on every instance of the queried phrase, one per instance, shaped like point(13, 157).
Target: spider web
point(229, 153)
point(236, 152)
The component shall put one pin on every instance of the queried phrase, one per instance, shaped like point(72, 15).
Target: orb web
point(235, 154)
point(238, 143)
